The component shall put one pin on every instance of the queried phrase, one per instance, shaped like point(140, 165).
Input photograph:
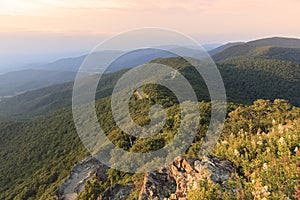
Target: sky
point(39, 29)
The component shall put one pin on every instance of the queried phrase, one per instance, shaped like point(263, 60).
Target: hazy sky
point(54, 26)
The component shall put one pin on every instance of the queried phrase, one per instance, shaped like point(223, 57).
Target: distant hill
point(120, 59)
point(13, 83)
point(269, 52)
point(212, 46)
point(72, 64)
point(223, 47)
point(272, 48)
point(37, 102)
point(236, 50)
point(138, 57)
point(276, 42)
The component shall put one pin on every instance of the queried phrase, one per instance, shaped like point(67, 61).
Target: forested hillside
point(39, 144)
point(259, 139)
point(272, 48)
point(13, 83)
point(246, 79)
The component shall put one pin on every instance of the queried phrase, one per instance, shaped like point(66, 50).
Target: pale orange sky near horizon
point(194, 17)
point(43, 30)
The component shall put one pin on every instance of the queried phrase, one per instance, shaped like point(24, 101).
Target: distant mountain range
point(64, 70)
point(249, 72)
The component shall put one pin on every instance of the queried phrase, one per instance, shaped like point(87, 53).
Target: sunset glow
point(98, 16)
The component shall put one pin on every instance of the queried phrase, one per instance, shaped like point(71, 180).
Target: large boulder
point(80, 174)
point(183, 175)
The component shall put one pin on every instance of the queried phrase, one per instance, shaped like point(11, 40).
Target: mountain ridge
point(269, 50)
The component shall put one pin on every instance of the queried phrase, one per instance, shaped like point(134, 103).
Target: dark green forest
point(39, 154)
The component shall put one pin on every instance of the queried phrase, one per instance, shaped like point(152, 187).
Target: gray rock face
point(215, 169)
point(183, 175)
point(157, 185)
point(118, 192)
point(80, 174)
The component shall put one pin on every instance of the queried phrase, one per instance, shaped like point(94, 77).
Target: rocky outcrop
point(183, 175)
point(117, 192)
point(158, 185)
point(80, 174)
point(170, 183)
